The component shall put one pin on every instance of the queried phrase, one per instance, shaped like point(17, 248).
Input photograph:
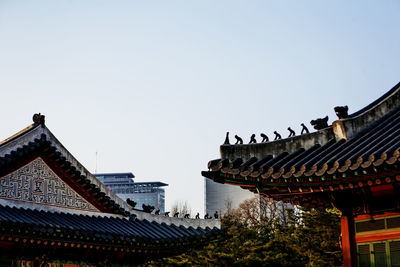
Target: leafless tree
point(251, 211)
point(181, 207)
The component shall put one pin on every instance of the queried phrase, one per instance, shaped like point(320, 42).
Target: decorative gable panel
point(37, 183)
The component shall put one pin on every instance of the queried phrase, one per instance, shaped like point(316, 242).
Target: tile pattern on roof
point(109, 231)
point(37, 183)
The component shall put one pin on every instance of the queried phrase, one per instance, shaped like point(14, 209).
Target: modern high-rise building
point(218, 197)
point(122, 184)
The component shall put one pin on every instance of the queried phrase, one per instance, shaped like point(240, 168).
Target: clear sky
point(153, 86)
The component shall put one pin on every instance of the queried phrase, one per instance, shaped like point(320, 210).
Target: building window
point(383, 253)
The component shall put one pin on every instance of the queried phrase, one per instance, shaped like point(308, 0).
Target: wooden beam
point(348, 240)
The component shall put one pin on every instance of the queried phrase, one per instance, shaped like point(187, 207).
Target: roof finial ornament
point(264, 138)
point(238, 140)
point(216, 215)
point(227, 139)
point(292, 133)
point(253, 139)
point(341, 111)
point(277, 135)
point(131, 202)
point(305, 129)
point(320, 124)
point(38, 119)
point(148, 208)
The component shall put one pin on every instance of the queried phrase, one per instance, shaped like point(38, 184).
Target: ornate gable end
point(37, 170)
point(37, 183)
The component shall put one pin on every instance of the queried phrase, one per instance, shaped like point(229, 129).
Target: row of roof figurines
point(318, 124)
point(150, 209)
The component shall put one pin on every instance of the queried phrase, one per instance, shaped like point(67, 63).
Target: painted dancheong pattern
point(37, 183)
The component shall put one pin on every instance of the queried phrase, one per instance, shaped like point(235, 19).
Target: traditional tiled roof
point(344, 156)
point(38, 141)
point(109, 231)
point(42, 208)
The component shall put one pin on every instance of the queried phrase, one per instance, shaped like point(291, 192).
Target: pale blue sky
point(153, 86)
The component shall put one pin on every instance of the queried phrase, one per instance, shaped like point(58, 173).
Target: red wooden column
point(348, 241)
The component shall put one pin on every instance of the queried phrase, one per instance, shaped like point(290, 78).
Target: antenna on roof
point(95, 170)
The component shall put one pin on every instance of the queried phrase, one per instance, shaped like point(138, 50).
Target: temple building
point(54, 212)
point(352, 165)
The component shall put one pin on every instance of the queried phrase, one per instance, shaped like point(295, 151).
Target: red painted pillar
point(348, 241)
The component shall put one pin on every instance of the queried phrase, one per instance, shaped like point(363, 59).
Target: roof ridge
point(259, 150)
point(18, 134)
point(51, 209)
point(377, 101)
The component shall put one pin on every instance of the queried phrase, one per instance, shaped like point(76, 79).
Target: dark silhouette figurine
point(277, 135)
point(206, 216)
point(304, 129)
point(131, 202)
point(264, 138)
point(166, 214)
point(292, 133)
point(227, 139)
point(148, 208)
point(186, 216)
point(320, 124)
point(253, 139)
point(238, 140)
point(341, 112)
point(157, 212)
point(197, 216)
point(216, 215)
point(176, 214)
